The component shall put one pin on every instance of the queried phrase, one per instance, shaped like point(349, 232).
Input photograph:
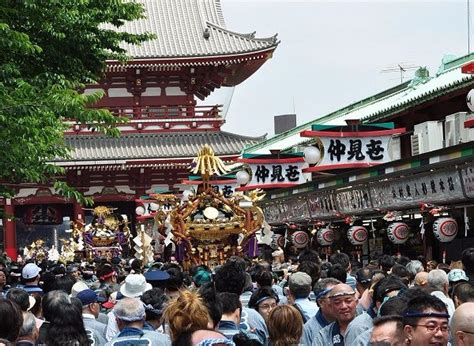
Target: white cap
point(30, 271)
point(79, 286)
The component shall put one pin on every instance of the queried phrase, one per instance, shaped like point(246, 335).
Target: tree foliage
point(50, 49)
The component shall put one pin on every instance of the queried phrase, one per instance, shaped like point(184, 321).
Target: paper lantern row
point(444, 229)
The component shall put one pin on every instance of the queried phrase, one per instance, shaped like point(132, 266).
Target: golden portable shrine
point(207, 228)
point(106, 236)
point(36, 250)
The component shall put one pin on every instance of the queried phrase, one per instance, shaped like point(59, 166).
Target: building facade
point(157, 90)
point(429, 176)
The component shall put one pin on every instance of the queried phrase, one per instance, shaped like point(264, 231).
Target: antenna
point(401, 68)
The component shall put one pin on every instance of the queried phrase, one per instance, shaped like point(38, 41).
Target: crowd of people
point(272, 300)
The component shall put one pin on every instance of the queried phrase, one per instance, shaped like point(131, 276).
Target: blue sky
point(332, 53)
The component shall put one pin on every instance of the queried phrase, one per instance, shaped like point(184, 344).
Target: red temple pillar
point(78, 212)
point(9, 232)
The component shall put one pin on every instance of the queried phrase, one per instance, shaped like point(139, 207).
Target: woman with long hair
point(285, 326)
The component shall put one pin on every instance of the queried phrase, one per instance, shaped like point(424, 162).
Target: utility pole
point(468, 27)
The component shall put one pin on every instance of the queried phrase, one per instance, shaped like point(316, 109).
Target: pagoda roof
point(98, 149)
point(383, 105)
point(189, 28)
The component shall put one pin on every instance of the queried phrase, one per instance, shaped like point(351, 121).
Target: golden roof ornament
point(207, 164)
point(102, 211)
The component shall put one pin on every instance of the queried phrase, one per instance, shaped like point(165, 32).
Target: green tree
point(50, 49)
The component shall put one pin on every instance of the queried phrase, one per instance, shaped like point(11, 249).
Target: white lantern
point(154, 206)
point(398, 232)
point(325, 236)
point(445, 229)
point(140, 210)
point(242, 177)
point(357, 235)
point(312, 155)
point(470, 100)
point(300, 239)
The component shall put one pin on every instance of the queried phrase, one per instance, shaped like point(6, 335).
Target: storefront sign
point(340, 150)
point(332, 203)
point(322, 205)
point(275, 213)
point(437, 187)
point(353, 200)
point(347, 150)
point(467, 175)
point(274, 173)
point(297, 209)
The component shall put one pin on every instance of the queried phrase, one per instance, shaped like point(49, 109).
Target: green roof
point(420, 89)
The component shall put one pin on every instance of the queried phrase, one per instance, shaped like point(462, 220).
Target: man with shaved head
point(343, 302)
point(462, 325)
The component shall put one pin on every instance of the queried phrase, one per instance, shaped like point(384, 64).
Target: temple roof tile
point(189, 28)
point(137, 146)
